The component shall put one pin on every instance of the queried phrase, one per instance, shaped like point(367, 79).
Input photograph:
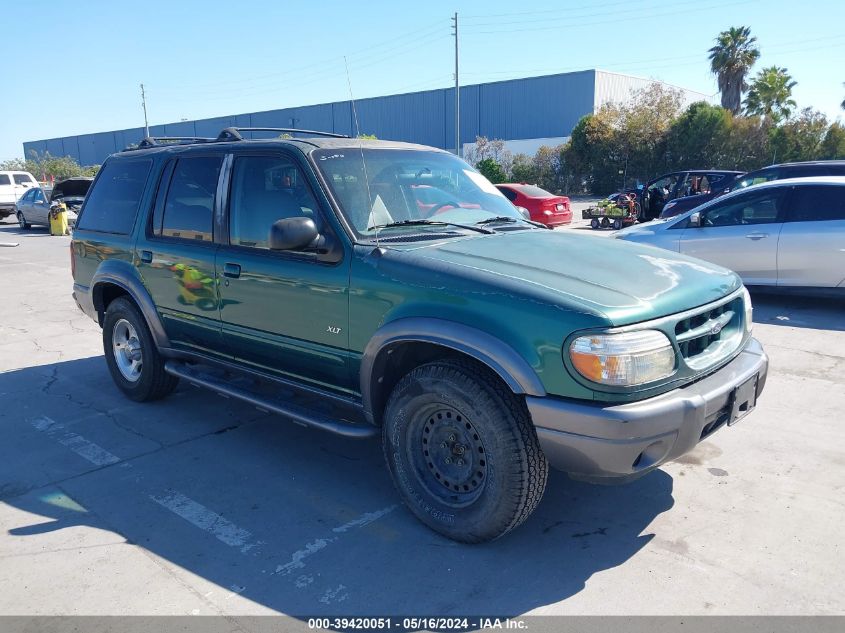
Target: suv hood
point(626, 282)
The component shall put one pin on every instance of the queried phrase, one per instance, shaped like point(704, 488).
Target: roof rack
point(234, 133)
point(159, 141)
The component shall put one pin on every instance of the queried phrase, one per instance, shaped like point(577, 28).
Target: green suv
point(382, 288)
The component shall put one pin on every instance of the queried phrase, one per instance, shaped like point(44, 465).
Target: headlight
point(625, 359)
point(749, 309)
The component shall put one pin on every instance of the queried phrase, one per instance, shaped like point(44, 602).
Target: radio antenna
point(360, 148)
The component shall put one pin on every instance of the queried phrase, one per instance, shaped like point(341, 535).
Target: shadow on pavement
point(818, 313)
point(239, 502)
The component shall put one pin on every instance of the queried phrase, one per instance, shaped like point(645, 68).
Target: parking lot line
point(298, 557)
point(90, 451)
point(197, 514)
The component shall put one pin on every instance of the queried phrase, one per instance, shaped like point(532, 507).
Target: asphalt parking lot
point(202, 505)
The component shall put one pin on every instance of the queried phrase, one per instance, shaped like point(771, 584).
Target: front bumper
point(614, 443)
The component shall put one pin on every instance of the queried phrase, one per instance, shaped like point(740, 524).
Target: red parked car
point(543, 206)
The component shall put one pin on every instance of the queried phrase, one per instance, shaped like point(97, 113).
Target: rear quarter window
point(4, 179)
point(113, 201)
point(23, 179)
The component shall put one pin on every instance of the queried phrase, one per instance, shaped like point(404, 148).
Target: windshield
point(408, 185)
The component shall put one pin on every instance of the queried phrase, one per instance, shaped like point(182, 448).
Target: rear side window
point(23, 179)
point(534, 192)
point(112, 203)
point(4, 179)
point(189, 206)
point(509, 193)
point(818, 204)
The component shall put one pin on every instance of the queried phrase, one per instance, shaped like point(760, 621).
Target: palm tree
point(731, 60)
point(770, 94)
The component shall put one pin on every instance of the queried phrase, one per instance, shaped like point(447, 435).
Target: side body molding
point(489, 350)
point(125, 275)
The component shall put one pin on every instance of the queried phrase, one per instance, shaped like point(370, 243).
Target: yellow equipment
point(58, 219)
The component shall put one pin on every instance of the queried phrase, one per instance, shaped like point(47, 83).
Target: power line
point(639, 17)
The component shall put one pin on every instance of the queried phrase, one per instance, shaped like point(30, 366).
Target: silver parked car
point(34, 206)
point(786, 233)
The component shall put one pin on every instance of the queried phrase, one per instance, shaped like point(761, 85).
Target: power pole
point(144, 105)
point(457, 92)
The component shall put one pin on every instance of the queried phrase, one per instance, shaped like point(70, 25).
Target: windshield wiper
point(478, 229)
point(497, 219)
point(510, 220)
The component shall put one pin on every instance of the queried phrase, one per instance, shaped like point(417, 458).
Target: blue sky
point(79, 65)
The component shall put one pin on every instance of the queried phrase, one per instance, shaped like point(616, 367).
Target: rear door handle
point(147, 257)
point(232, 270)
point(757, 236)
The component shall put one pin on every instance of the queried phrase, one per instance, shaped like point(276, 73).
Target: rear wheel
point(617, 224)
point(131, 354)
point(462, 451)
point(22, 222)
point(594, 223)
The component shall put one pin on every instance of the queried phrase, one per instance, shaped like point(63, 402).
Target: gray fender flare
point(125, 275)
point(505, 361)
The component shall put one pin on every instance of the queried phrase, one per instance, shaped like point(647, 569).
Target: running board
point(241, 389)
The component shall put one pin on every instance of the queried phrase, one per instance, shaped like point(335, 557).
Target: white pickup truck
point(13, 185)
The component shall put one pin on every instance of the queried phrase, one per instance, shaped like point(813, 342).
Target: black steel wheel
point(462, 451)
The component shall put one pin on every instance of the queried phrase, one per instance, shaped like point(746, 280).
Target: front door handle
point(147, 257)
point(232, 270)
point(757, 236)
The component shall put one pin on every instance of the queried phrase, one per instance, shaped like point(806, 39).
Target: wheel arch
point(120, 278)
point(423, 339)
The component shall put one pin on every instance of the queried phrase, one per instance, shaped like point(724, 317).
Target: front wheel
point(22, 222)
point(134, 362)
point(462, 451)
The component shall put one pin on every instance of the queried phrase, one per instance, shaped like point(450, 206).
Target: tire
point(137, 368)
point(23, 223)
point(617, 224)
point(594, 223)
point(605, 223)
point(459, 410)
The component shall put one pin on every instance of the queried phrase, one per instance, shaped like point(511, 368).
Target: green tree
point(492, 170)
point(45, 167)
point(696, 140)
point(770, 95)
point(801, 138)
point(523, 170)
point(833, 145)
point(731, 60)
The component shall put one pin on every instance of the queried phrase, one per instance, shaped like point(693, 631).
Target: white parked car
point(786, 233)
point(13, 185)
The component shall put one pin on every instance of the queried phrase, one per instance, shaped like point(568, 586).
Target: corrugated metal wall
point(534, 107)
point(613, 87)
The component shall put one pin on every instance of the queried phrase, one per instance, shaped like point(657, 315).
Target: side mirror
point(695, 219)
point(293, 234)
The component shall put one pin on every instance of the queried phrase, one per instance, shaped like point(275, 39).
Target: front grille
point(706, 337)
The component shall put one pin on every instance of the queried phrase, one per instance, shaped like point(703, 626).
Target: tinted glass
point(27, 197)
point(755, 178)
point(752, 208)
point(38, 196)
point(23, 179)
point(534, 192)
point(112, 203)
point(509, 193)
point(4, 179)
point(189, 207)
point(817, 204)
point(266, 189)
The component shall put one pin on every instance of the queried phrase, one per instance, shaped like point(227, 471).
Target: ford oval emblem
point(716, 329)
